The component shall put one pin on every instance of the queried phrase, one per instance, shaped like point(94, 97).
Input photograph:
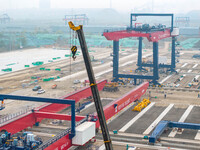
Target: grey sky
point(175, 6)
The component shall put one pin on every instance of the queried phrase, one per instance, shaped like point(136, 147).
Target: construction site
point(122, 88)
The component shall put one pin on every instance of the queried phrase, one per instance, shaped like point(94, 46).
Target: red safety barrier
point(62, 144)
point(115, 106)
point(20, 123)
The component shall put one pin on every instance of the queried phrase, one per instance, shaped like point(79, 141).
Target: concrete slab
point(154, 124)
point(182, 119)
point(187, 134)
point(143, 123)
point(173, 115)
point(122, 119)
point(132, 121)
point(193, 117)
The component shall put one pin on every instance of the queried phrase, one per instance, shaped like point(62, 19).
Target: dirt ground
point(12, 82)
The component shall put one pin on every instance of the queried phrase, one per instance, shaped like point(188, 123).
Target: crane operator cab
point(2, 105)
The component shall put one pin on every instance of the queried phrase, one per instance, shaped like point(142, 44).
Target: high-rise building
point(45, 4)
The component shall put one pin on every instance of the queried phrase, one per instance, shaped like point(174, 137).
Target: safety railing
point(7, 117)
point(59, 136)
point(54, 139)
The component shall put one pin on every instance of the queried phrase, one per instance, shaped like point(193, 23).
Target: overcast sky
point(175, 6)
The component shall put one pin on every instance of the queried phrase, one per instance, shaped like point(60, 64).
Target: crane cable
point(70, 63)
point(73, 37)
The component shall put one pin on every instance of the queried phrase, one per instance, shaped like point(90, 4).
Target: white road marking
point(102, 147)
point(185, 64)
point(154, 124)
point(89, 105)
point(165, 79)
point(186, 113)
point(195, 66)
point(197, 76)
point(181, 78)
point(197, 137)
point(182, 119)
point(131, 122)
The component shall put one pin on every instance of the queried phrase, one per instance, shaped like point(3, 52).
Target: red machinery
point(152, 37)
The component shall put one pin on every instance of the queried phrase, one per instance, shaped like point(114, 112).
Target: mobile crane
point(93, 85)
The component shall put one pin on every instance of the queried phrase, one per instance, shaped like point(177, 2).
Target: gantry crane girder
point(153, 35)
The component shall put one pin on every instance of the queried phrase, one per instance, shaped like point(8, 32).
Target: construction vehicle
point(2, 106)
point(24, 141)
point(54, 86)
point(93, 85)
point(141, 105)
point(111, 87)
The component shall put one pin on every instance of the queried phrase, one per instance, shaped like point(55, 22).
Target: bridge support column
point(139, 62)
point(173, 56)
point(155, 63)
point(115, 60)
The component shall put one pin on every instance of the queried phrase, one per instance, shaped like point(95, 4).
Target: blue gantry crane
point(47, 100)
point(164, 124)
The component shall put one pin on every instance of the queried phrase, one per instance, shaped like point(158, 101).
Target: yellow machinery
point(144, 60)
point(141, 105)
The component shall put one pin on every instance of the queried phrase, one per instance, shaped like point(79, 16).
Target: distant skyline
point(174, 6)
